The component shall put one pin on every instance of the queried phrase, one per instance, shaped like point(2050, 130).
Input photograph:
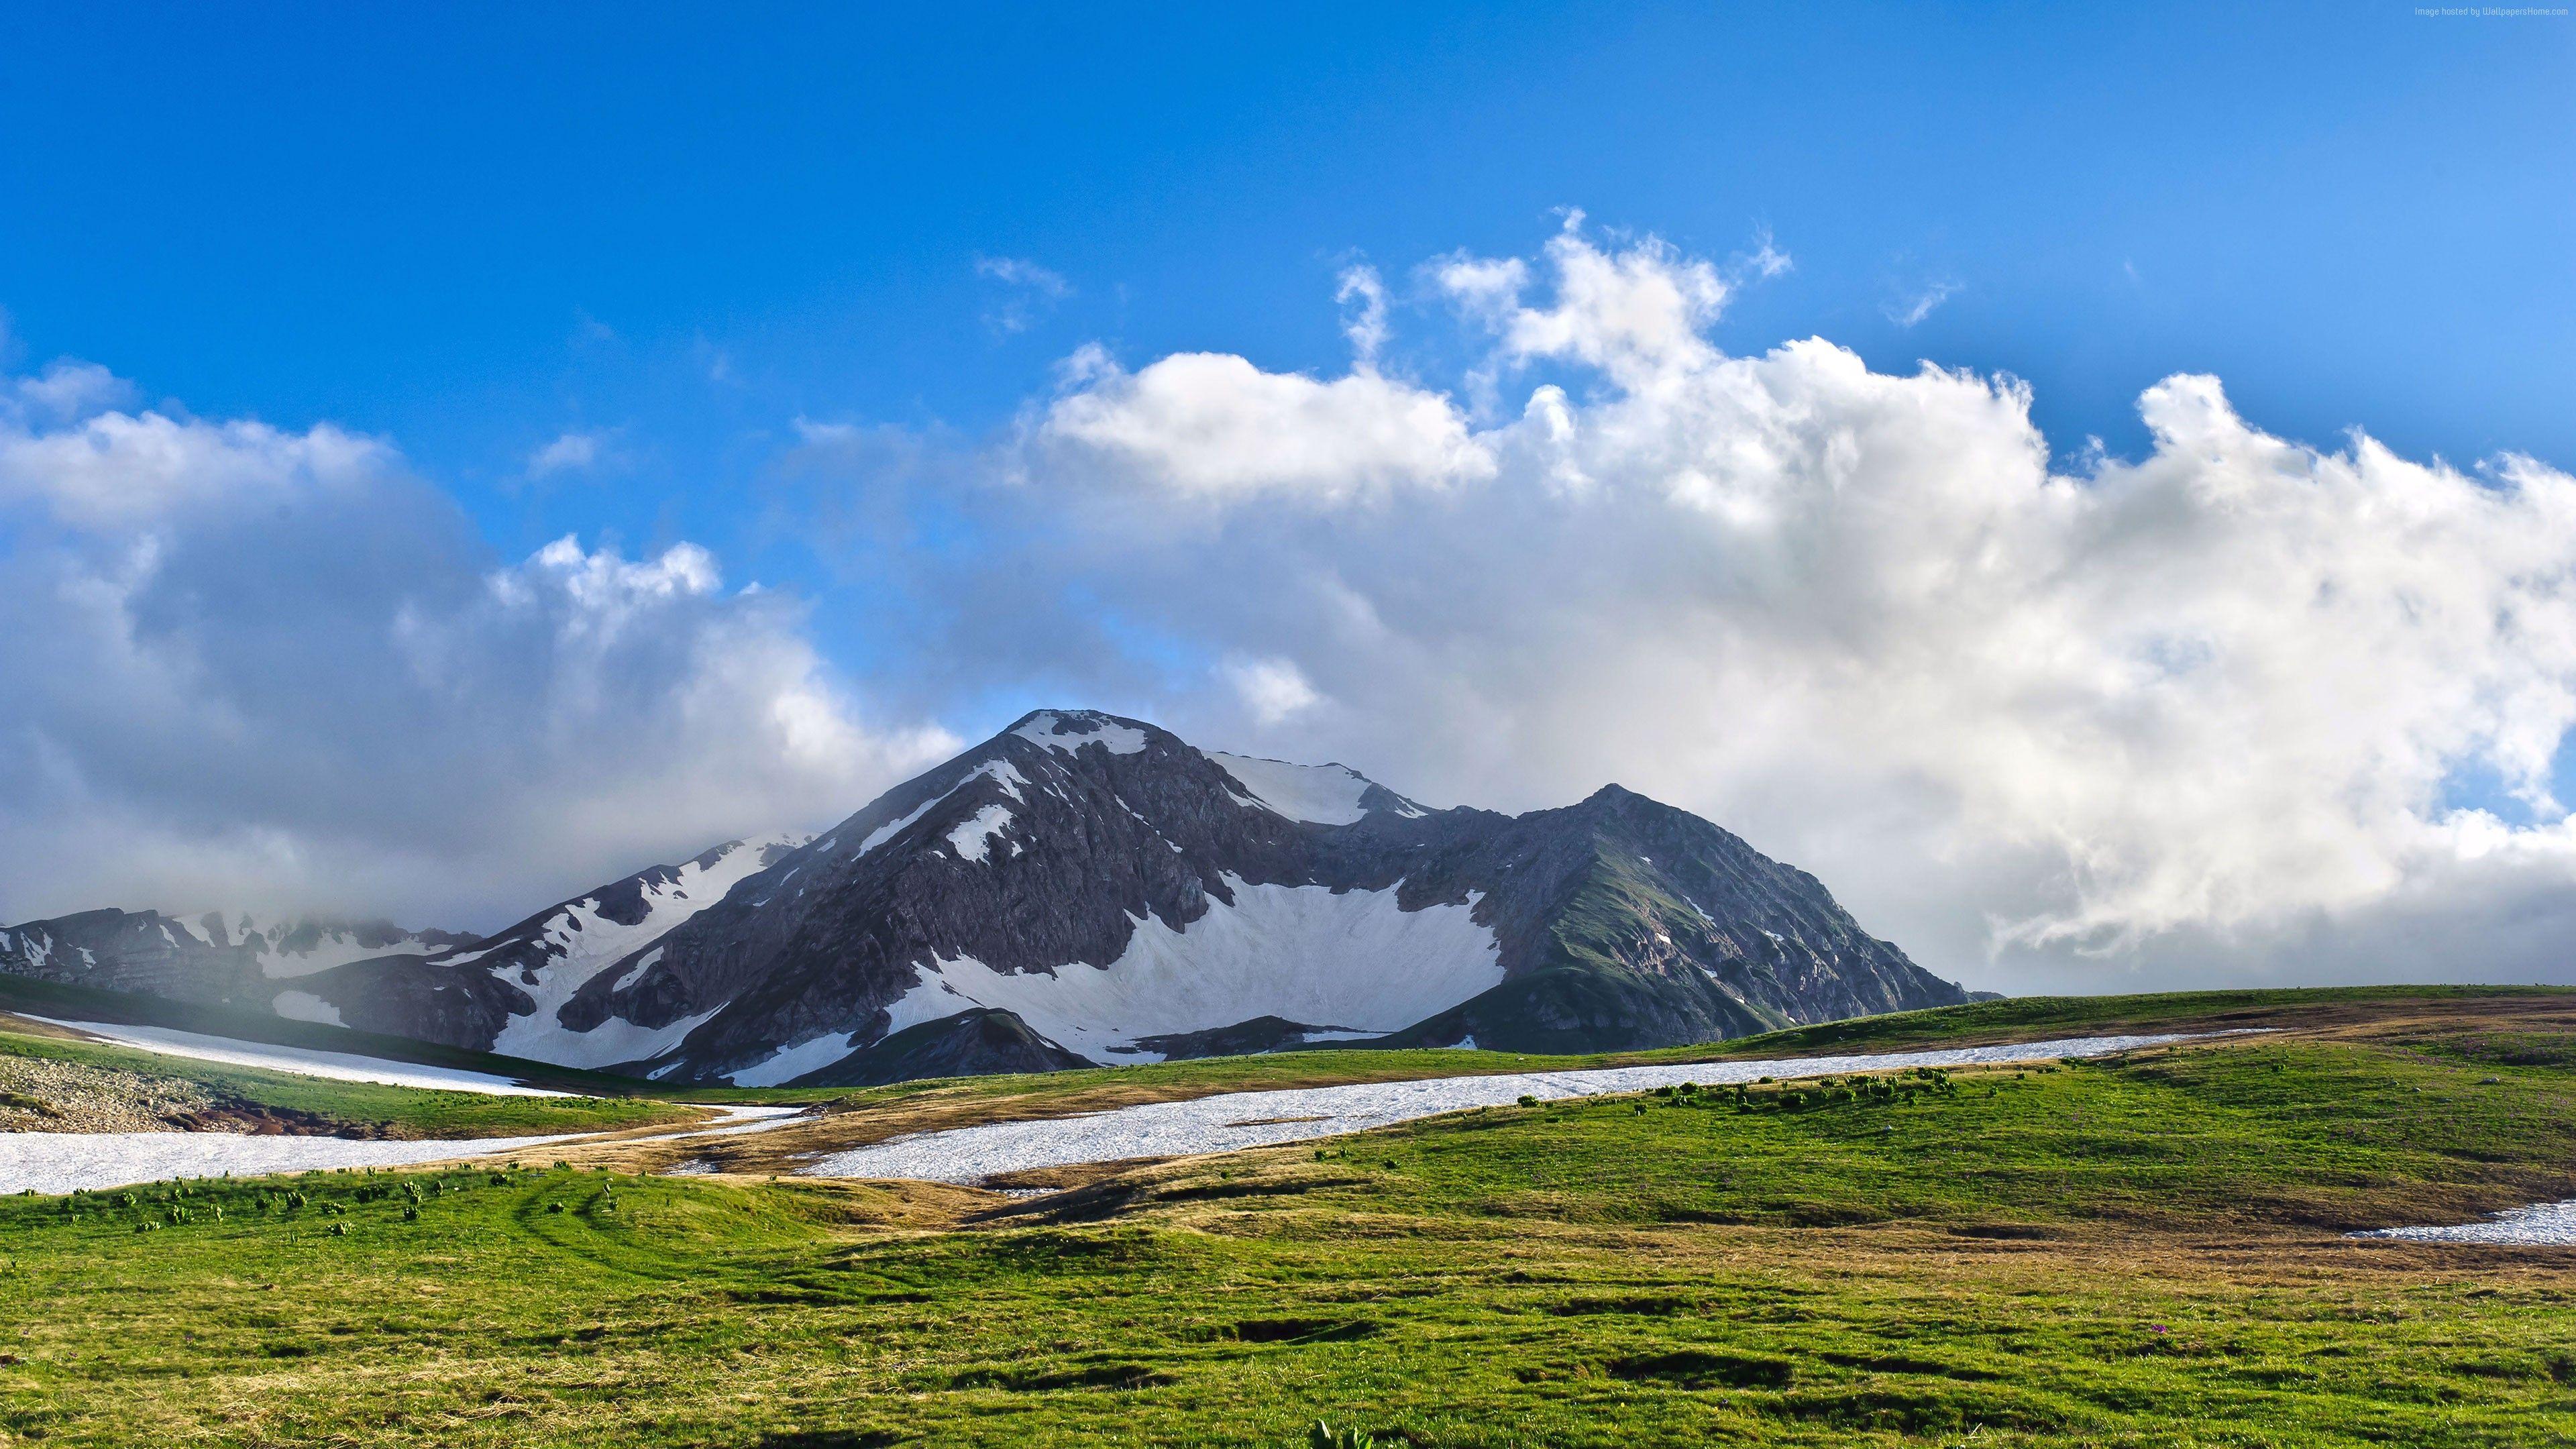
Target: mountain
point(1083, 888)
point(209, 958)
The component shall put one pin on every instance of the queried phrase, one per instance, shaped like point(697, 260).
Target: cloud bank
point(251, 668)
point(2240, 708)
point(2201, 714)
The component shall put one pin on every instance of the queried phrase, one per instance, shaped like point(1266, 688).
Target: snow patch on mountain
point(285, 953)
point(975, 838)
point(580, 943)
point(1000, 772)
point(1318, 794)
point(1069, 733)
point(305, 1006)
point(617, 1040)
point(893, 828)
point(1353, 958)
point(791, 1062)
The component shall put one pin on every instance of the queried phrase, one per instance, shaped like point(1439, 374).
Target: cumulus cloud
point(2202, 711)
point(257, 668)
point(2238, 708)
point(1211, 426)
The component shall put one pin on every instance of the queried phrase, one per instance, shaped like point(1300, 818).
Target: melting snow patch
point(974, 838)
point(334, 948)
point(1059, 732)
point(1352, 958)
point(620, 1040)
point(789, 1063)
point(581, 943)
point(57, 1162)
point(2548, 1224)
point(893, 828)
point(305, 1006)
point(1000, 772)
point(336, 1066)
point(1320, 794)
point(1235, 1120)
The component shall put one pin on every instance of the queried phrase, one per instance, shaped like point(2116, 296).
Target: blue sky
point(807, 297)
point(473, 237)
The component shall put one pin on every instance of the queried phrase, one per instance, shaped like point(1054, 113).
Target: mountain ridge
point(1118, 895)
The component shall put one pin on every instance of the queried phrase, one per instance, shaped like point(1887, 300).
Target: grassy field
point(238, 1097)
point(2144, 1251)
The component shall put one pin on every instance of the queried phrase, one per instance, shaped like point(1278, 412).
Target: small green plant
point(1528, 1101)
point(1325, 1436)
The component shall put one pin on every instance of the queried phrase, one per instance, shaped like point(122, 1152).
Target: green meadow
point(2146, 1250)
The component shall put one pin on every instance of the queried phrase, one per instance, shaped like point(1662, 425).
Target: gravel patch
point(38, 1094)
point(1236, 1120)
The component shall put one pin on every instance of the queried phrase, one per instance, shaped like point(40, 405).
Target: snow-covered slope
point(1346, 964)
point(555, 954)
point(1316, 794)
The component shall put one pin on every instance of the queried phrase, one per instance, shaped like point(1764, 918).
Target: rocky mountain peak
point(1088, 887)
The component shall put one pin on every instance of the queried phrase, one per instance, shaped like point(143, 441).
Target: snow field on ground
point(57, 1162)
point(1236, 1120)
point(302, 1061)
point(2544, 1224)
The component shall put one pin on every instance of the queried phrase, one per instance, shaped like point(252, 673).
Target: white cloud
point(2196, 715)
point(1213, 426)
point(1026, 292)
point(1765, 260)
point(1273, 690)
point(571, 452)
point(1635, 314)
point(2194, 711)
point(253, 668)
point(1910, 311)
point(1365, 325)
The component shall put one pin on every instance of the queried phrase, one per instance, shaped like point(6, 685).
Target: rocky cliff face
point(1087, 888)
